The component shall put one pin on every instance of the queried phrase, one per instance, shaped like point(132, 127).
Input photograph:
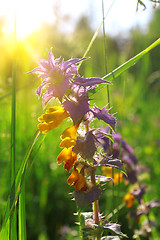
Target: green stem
point(13, 221)
point(113, 197)
point(95, 205)
point(22, 215)
point(105, 50)
point(80, 223)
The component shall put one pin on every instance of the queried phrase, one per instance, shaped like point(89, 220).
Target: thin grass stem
point(96, 34)
point(22, 215)
point(80, 223)
point(13, 218)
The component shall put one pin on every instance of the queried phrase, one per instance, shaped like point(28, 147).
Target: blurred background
point(68, 27)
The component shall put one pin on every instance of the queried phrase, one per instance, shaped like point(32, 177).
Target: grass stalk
point(13, 218)
point(95, 34)
point(22, 215)
point(80, 223)
point(105, 50)
point(108, 97)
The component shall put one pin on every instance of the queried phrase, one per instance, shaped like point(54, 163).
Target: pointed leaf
point(114, 227)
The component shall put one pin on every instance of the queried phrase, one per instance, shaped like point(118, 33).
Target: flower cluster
point(61, 80)
point(79, 143)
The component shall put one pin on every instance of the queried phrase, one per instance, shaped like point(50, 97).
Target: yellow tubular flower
point(52, 118)
point(69, 137)
point(67, 156)
point(107, 171)
point(77, 179)
point(129, 199)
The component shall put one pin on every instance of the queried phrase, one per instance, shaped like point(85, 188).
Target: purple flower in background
point(117, 138)
point(102, 114)
point(138, 193)
point(55, 76)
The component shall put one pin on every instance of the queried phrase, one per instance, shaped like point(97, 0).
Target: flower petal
point(67, 143)
point(67, 156)
point(52, 119)
point(70, 132)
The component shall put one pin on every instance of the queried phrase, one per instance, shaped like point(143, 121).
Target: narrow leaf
point(21, 174)
point(116, 72)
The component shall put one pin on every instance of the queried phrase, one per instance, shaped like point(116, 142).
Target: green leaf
point(4, 234)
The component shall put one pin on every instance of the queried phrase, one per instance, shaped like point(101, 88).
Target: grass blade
point(13, 218)
point(95, 34)
point(115, 73)
point(4, 234)
point(22, 215)
point(21, 174)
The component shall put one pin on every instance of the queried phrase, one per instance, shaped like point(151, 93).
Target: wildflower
point(77, 179)
point(55, 76)
point(68, 141)
point(117, 177)
point(69, 137)
point(52, 118)
point(139, 192)
point(68, 157)
point(117, 138)
point(129, 199)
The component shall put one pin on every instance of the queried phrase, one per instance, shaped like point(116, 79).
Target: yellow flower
point(69, 137)
point(129, 199)
point(68, 142)
point(67, 156)
point(107, 171)
point(77, 179)
point(52, 118)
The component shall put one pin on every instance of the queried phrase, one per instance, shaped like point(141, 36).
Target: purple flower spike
point(55, 76)
point(102, 114)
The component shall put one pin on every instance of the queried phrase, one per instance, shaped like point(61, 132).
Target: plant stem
point(13, 218)
point(95, 205)
point(80, 223)
point(22, 215)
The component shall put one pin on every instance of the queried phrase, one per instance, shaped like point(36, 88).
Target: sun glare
point(29, 16)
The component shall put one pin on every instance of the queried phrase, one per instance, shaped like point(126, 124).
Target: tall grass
point(13, 217)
